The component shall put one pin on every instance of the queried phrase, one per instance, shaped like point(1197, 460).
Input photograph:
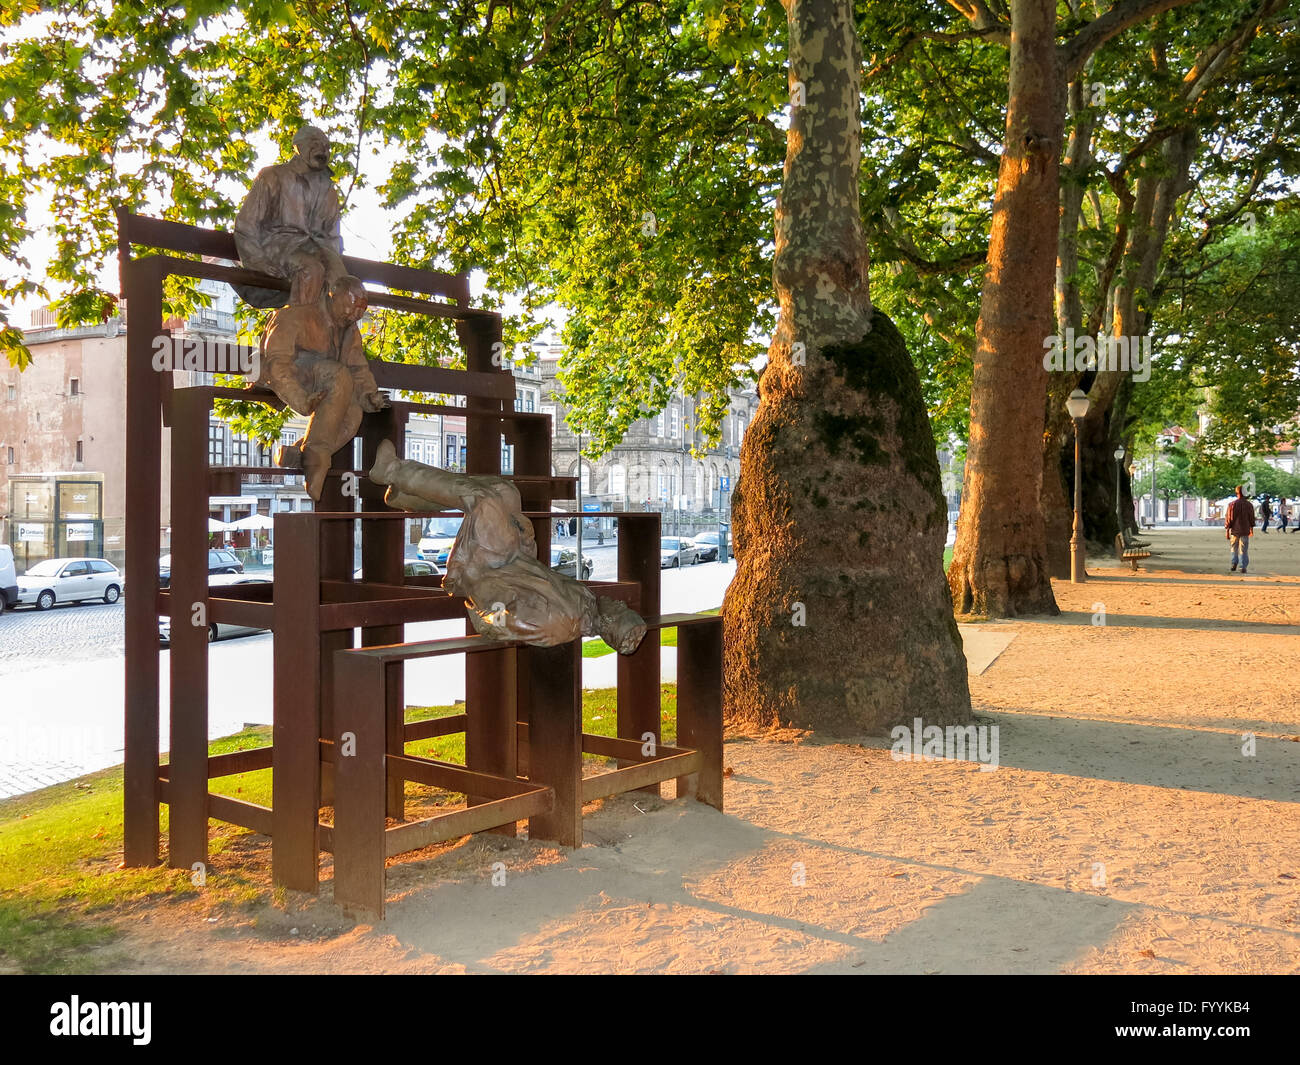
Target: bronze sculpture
point(288, 225)
point(312, 357)
point(493, 562)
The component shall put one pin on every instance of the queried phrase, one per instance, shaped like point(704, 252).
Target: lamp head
point(1077, 404)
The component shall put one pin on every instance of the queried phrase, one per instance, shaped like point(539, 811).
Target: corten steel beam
point(639, 711)
point(699, 707)
point(555, 738)
point(490, 680)
point(187, 812)
point(383, 550)
point(336, 563)
point(142, 290)
point(296, 731)
point(360, 784)
point(219, 244)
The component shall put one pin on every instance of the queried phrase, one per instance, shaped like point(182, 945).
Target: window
point(10, 458)
point(617, 480)
point(239, 451)
point(79, 452)
point(740, 428)
point(415, 449)
point(452, 451)
point(584, 474)
point(13, 392)
point(659, 424)
point(673, 424)
point(507, 457)
point(74, 386)
point(662, 486)
point(216, 445)
point(77, 569)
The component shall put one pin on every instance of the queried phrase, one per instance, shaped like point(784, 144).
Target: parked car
point(412, 567)
point(69, 580)
point(708, 543)
point(8, 582)
point(564, 560)
point(215, 631)
point(219, 561)
point(439, 535)
point(677, 551)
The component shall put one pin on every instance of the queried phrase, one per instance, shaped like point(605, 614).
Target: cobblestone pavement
point(74, 632)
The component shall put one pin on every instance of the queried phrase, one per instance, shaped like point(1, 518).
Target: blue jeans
point(1241, 543)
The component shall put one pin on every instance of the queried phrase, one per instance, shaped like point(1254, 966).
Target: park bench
point(1132, 554)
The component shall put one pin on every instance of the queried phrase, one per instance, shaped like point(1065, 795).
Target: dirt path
point(1124, 830)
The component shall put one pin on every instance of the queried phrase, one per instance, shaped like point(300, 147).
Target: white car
point(69, 580)
point(677, 551)
point(215, 631)
point(8, 582)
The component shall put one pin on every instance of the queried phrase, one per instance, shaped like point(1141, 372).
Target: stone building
point(653, 468)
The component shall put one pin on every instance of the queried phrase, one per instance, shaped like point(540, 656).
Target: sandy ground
point(1124, 829)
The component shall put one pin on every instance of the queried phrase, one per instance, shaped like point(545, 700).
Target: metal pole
point(1078, 573)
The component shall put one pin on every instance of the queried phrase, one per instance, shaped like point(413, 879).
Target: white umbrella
point(218, 526)
point(254, 522)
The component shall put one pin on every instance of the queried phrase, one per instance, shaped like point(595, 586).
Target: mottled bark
point(999, 565)
point(838, 617)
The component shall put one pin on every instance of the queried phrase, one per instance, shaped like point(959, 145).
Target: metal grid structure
point(339, 731)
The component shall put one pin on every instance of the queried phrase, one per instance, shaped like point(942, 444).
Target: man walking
point(1266, 512)
point(1283, 514)
point(1239, 526)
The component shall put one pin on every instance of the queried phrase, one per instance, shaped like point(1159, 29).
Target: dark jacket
point(1241, 517)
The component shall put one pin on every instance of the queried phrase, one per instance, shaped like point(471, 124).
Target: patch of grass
point(60, 848)
point(947, 558)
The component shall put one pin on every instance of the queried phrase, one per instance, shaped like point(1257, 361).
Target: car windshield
point(443, 527)
point(49, 568)
point(669, 544)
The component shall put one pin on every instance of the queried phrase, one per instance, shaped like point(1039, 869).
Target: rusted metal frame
point(360, 783)
point(367, 590)
point(141, 284)
point(337, 562)
point(296, 731)
point(630, 750)
point(699, 705)
point(336, 617)
point(238, 275)
point(224, 808)
point(225, 765)
point(480, 818)
point(448, 776)
point(187, 833)
point(555, 738)
point(382, 558)
point(490, 682)
point(433, 727)
point(183, 237)
point(640, 775)
point(639, 713)
point(237, 812)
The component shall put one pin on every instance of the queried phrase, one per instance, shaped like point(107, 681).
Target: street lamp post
point(1119, 463)
point(1077, 406)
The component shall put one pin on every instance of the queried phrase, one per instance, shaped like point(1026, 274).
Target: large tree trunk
point(999, 566)
point(838, 617)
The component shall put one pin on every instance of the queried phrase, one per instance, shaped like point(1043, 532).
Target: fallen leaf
point(728, 772)
point(1147, 953)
